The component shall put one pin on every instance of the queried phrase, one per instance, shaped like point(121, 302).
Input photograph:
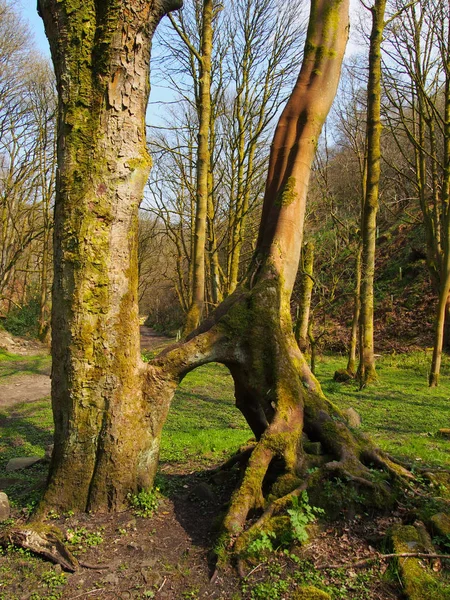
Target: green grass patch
point(13, 364)
point(203, 423)
point(27, 429)
point(400, 412)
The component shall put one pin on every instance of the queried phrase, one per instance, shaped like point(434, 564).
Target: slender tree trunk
point(351, 364)
point(195, 312)
point(306, 288)
point(367, 371)
point(216, 288)
point(104, 443)
point(444, 280)
point(439, 333)
point(43, 308)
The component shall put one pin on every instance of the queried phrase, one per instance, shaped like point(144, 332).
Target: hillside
point(404, 297)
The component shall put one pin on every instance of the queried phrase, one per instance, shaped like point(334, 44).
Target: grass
point(400, 412)
point(13, 364)
point(203, 423)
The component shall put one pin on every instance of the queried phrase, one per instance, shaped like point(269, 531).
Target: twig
point(87, 565)
point(86, 594)
point(162, 585)
point(254, 569)
point(214, 576)
point(361, 563)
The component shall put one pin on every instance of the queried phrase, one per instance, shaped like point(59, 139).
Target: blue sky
point(29, 11)
point(158, 94)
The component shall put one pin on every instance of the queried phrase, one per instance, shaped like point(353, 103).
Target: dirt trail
point(24, 388)
point(15, 389)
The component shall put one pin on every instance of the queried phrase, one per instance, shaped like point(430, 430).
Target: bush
point(24, 321)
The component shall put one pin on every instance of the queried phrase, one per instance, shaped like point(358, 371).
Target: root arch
point(283, 405)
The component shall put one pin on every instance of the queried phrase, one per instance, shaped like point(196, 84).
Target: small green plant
point(443, 541)
point(54, 580)
point(145, 502)
point(24, 320)
point(302, 514)
point(262, 544)
point(266, 590)
point(148, 355)
point(81, 537)
point(191, 594)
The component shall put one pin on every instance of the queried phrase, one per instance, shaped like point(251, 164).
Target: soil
point(168, 556)
point(23, 388)
point(20, 345)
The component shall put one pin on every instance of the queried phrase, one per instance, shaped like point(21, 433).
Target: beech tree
point(109, 406)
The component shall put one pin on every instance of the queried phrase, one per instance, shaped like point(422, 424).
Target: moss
point(419, 581)
point(440, 524)
point(285, 485)
point(288, 194)
point(279, 526)
point(237, 319)
point(310, 592)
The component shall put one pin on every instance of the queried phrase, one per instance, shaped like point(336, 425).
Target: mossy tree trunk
point(367, 372)
point(444, 288)
point(251, 331)
point(103, 435)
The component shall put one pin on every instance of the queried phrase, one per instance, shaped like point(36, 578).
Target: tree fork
point(109, 406)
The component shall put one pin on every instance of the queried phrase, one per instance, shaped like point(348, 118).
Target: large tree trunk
point(251, 331)
point(103, 435)
point(366, 369)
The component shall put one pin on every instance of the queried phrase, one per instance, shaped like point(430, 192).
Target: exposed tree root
point(43, 541)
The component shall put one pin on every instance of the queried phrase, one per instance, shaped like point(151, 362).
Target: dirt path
point(24, 388)
point(16, 388)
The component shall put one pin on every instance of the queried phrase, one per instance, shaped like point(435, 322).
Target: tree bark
point(367, 372)
point(103, 435)
point(195, 311)
point(351, 364)
point(306, 288)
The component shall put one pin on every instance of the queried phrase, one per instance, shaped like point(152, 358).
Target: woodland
point(278, 224)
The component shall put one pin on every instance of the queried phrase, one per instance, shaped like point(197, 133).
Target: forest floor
point(167, 555)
